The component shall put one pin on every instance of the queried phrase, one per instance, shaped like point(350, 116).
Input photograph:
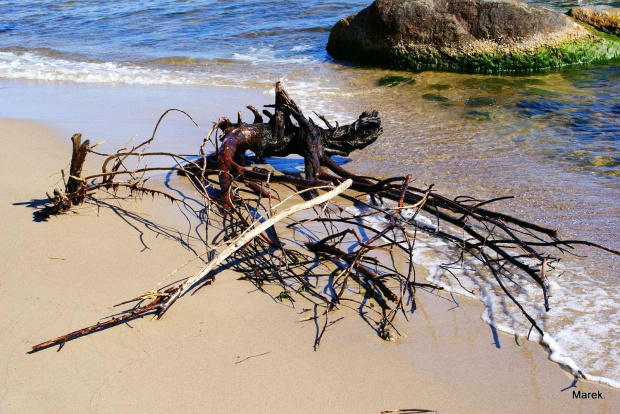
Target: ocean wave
point(318, 90)
point(580, 330)
point(34, 66)
point(50, 65)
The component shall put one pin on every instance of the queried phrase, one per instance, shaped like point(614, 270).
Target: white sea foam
point(35, 66)
point(45, 66)
point(31, 66)
point(581, 318)
point(318, 94)
point(301, 48)
point(268, 55)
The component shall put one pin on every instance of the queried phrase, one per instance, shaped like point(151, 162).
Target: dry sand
point(67, 272)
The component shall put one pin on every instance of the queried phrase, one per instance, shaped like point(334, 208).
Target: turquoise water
point(550, 139)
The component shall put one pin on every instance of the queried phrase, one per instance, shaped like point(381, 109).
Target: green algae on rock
point(477, 115)
point(474, 36)
point(394, 80)
point(435, 97)
point(439, 87)
point(477, 101)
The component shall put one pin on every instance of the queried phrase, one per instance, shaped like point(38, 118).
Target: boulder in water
point(476, 36)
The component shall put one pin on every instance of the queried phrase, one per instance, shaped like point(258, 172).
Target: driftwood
point(335, 263)
point(161, 301)
point(287, 132)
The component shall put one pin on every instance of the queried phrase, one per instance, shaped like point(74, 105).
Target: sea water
point(552, 140)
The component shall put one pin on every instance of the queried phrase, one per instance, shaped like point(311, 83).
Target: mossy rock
point(435, 97)
point(394, 80)
point(477, 115)
point(478, 101)
point(594, 49)
point(474, 36)
point(439, 87)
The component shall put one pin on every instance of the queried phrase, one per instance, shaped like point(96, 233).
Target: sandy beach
point(227, 348)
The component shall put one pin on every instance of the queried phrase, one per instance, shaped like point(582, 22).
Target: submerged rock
point(480, 101)
point(607, 21)
point(391, 81)
point(439, 87)
point(476, 36)
point(435, 97)
point(477, 115)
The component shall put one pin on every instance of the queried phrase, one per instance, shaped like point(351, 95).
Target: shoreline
point(59, 277)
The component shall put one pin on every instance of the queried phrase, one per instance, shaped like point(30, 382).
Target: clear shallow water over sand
point(552, 140)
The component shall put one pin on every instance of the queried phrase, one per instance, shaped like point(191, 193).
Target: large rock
point(480, 36)
point(604, 20)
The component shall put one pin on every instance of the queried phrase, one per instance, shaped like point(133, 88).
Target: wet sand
point(227, 348)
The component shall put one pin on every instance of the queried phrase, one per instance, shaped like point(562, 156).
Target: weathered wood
point(60, 201)
point(162, 301)
point(80, 150)
point(505, 245)
point(281, 137)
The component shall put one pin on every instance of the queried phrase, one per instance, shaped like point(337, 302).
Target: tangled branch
point(343, 256)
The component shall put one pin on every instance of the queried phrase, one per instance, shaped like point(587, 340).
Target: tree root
point(334, 263)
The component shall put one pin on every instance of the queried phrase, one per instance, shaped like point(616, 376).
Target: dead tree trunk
point(77, 163)
point(75, 188)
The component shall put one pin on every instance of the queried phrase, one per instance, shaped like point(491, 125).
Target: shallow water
point(552, 140)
